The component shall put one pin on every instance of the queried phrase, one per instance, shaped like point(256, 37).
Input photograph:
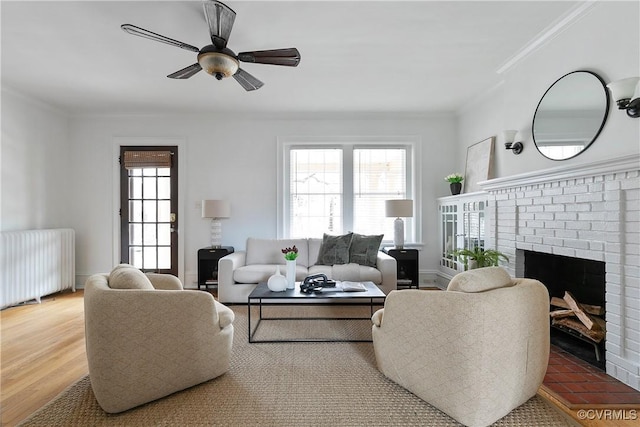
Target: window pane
point(315, 192)
point(313, 215)
point(379, 174)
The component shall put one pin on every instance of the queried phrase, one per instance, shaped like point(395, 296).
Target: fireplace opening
point(584, 281)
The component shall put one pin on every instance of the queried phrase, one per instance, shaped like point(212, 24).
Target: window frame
point(348, 145)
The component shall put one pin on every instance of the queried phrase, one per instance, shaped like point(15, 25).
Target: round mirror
point(570, 115)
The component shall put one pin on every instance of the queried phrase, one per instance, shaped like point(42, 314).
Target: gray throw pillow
point(364, 249)
point(334, 249)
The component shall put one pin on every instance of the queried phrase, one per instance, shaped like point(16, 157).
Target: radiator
point(36, 263)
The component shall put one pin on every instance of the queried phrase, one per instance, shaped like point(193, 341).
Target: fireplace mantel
point(616, 165)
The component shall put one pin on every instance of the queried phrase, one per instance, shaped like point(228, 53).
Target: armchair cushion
point(480, 280)
point(334, 249)
point(364, 249)
point(125, 276)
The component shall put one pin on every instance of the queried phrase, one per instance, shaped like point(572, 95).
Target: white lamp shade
point(509, 135)
point(216, 209)
point(398, 208)
point(623, 89)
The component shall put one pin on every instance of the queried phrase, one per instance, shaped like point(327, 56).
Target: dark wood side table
point(407, 262)
point(208, 265)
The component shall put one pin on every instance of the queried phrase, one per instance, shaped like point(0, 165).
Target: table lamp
point(399, 208)
point(216, 210)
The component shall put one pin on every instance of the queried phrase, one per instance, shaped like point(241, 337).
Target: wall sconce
point(509, 136)
point(626, 93)
point(216, 210)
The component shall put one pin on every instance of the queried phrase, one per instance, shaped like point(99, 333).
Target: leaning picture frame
point(479, 165)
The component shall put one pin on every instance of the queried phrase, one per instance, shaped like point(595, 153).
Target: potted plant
point(455, 182)
point(479, 257)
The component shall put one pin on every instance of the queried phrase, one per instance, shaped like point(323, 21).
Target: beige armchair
point(476, 351)
point(146, 343)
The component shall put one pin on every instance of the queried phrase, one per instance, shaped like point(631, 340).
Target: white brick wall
point(591, 212)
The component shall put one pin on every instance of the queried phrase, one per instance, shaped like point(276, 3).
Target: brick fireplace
point(587, 211)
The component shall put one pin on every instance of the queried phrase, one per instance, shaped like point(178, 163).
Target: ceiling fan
point(216, 59)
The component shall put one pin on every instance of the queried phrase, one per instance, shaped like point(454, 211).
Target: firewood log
point(584, 317)
point(596, 310)
point(558, 314)
point(576, 325)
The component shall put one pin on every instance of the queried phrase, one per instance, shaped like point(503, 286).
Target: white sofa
point(241, 271)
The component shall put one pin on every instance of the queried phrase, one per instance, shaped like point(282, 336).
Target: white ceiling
point(375, 56)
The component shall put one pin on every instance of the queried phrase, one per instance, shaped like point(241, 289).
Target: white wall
point(233, 158)
point(605, 41)
point(35, 163)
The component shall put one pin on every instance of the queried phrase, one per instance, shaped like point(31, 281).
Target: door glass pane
point(135, 187)
point(149, 234)
point(135, 234)
point(164, 188)
point(164, 211)
point(149, 188)
point(150, 214)
point(135, 256)
point(149, 257)
point(164, 257)
point(164, 234)
point(135, 211)
point(164, 171)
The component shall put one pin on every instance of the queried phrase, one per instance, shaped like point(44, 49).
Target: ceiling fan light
point(216, 64)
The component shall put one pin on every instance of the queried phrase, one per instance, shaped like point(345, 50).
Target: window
point(335, 187)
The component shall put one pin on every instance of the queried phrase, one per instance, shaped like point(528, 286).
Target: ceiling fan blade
point(220, 18)
point(246, 80)
point(289, 57)
point(186, 72)
point(141, 32)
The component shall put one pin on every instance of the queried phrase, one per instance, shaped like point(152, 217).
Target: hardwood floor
point(43, 352)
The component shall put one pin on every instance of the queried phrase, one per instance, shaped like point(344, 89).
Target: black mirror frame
point(604, 119)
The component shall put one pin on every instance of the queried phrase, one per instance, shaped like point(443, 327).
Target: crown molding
point(565, 21)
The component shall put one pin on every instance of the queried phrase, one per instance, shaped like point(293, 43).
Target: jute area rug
point(299, 384)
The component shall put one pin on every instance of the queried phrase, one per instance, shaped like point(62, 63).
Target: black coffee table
point(262, 296)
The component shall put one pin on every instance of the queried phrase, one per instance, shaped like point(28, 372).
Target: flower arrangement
point(290, 254)
point(454, 178)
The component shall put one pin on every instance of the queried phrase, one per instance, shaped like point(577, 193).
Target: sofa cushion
point(480, 280)
point(260, 273)
point(314, 250)
point(334, 249)
point(126, 276)
point(269, 251)
point(364, 249)
point(350, 272)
